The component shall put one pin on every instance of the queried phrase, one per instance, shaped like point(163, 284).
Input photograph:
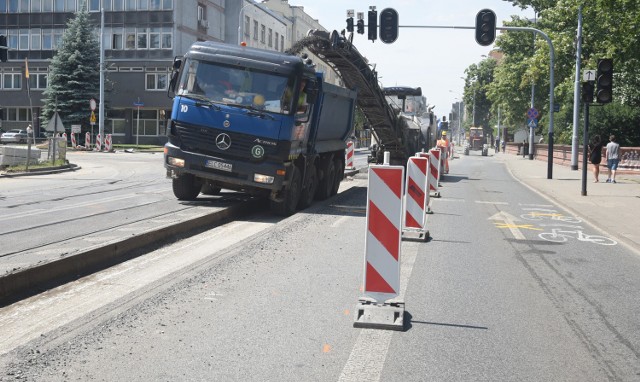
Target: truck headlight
point(260, 178)
point(175, 161)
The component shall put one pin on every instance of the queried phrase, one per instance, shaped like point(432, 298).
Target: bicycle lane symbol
point(563, 227)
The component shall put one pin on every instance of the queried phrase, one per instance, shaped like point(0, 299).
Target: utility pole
point(576, 95)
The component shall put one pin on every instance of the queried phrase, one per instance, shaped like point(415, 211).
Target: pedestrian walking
point(595, 157)
point(504, 145)
point(524, 148)
point(611, 153)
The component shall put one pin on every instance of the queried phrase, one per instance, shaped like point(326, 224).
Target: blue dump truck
point(256, 121)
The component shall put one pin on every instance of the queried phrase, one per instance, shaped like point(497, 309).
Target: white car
point(14, 135)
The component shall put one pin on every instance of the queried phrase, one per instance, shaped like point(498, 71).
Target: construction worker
point(443, 145)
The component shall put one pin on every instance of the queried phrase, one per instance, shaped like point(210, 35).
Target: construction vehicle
point(250, 139)
point(392, 128)
point(256, 121)
point(476, 141)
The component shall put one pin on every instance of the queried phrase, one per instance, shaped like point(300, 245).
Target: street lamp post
point(240, 14)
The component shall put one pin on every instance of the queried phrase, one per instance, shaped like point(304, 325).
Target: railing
point(629, 162)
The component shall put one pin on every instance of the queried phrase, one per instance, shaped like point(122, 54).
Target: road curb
point(30, 281)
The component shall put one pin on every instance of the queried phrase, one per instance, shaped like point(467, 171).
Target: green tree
point(609, 31)
point(74, 76)
point(476, 101)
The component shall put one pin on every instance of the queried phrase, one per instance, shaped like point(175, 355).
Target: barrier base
point(375, 315)
point(415, 234)
point(435, 194)
point(429, 210)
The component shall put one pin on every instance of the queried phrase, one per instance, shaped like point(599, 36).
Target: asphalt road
point(487, 298)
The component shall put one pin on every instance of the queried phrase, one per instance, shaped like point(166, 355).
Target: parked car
point(14, 135)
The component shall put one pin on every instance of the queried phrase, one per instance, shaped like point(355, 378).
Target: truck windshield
point(245, 87)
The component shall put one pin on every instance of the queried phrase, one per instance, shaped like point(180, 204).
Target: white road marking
point(509, 220)
point(490, 202)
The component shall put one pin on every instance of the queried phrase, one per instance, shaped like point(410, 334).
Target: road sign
point(138, 104)
point(588, 75)
point(532, 123)
point(532, 113)
point(93, 118)
point(76, 129)
point(92, 104)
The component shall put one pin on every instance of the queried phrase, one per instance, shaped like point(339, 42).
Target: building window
point(201, 12)
point(167, 38)
point(255, 30)
point(130, 5)
point(58, 5)
point(167, 4)
point(277, 38)
point(247, 26)
point(118, 5)
point(23, 40)
point(281, 43)
point(154, 38)
point(263, 32)
point(155, 5)
point(156, 81)
point(38, 81)
point(94, 5)
point(117, 121)
point(81, 5)
point(148, 122)
point(17, 114)
point(36, 39)
point(142, 38)
point(12, 81)
point(117, 41)
point(270, 37)
point(36, 5)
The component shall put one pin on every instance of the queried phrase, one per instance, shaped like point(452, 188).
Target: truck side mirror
point(175, 73)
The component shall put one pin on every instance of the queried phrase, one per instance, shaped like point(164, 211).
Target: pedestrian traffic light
point(587, 92)
point(485, 27)
point(372, 25)
point(360, 26)
point(604, 81)
point(388, 25)
point(3, 48)
point(350, 24)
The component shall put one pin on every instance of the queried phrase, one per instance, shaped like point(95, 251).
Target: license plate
point(218, 165)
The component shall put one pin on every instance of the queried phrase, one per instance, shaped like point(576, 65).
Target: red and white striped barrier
point(382, 250)
point(64, 136)
point(98, 142)
point(73, 141)
point(349, 156)
point(87, 141)
point(434, 173)
point(107, 142)
point(416, 199)
point(429, 175)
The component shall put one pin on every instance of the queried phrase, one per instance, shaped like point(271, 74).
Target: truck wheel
point(186, 187)
point(326, 183)
point(339, 175)
point(309, 190)
point(287, 206)
point(209, 188)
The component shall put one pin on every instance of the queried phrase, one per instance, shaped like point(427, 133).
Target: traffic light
point(3, 48)
point(485, 27)
point(388, 25)
point(587, 92)
point(350, 24)
point(372, 25)
point(360, 26)
point(604, 81)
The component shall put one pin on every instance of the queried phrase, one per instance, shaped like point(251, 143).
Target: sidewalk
point(613, 208)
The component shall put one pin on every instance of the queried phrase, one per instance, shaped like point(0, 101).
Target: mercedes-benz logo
point(223, 141)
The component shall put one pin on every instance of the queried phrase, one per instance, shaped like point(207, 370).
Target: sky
point(433, 59)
